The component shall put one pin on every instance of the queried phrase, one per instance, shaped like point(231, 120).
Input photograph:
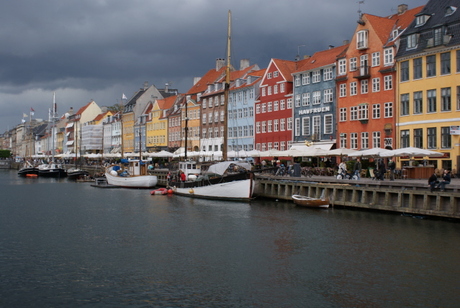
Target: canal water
point(66, 244)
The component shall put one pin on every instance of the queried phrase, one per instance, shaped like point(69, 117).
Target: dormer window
point(412, 41)
point(362, 39)
point(421, 20)
point(450, 10)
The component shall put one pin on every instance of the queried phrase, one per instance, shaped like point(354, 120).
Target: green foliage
point(5, 153)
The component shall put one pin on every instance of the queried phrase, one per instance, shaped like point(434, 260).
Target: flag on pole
point(32, 111)
point(24, 115)
point(124, 96)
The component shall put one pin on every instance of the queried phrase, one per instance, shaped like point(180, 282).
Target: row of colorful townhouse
point(391, 85)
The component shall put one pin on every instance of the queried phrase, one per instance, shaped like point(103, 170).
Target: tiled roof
point(210, 77)
point(285, 67)
point(320, 59)
point(80, 111)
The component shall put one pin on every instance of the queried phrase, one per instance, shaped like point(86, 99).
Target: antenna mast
point(227, 86)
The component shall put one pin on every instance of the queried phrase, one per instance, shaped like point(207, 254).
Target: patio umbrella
point(341, 152)
point(162, 153)
point(374, 152)
point(411, 152)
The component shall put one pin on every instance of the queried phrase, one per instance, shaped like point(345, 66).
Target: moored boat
point(28, 169)
point(321, 202)
point(131, 174)
point(52, 170)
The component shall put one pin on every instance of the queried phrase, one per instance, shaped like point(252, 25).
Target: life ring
point(159, 191)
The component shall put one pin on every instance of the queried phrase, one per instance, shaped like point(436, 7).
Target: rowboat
point(321, 202)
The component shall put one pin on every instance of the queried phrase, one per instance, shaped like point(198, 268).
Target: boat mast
point(227, 86)
point(121, 123)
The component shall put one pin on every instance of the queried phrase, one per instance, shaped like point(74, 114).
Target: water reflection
point(69, 244)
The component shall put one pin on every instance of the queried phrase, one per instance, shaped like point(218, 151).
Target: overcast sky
point(100, 49)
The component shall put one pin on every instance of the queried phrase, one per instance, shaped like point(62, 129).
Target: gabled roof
point(383, 26)
point(102, 115)
point(320, 59)
point(285, 67)
point(82, 109)
point(167, 103)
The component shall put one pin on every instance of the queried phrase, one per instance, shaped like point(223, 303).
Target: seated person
point(433, 181)
point(445, 180)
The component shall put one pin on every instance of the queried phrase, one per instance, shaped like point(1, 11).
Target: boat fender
point(159, 191)
point(191, 191)
point(170, 191)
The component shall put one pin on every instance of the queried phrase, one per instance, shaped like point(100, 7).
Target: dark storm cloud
point(98, 49)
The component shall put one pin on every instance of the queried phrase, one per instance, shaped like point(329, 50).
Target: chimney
point(346, 42)
point(146, 85)
point(220, 63)
point(244, 63)
point(402, 8)
point(306, 57)
point(166, 87)
point(195, 80)
point(331, 46)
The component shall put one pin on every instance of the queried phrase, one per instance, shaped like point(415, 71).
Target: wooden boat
point(321, 202)
point(76, 174)
point(130, 174)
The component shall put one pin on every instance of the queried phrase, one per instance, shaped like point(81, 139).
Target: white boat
point(220, 182)
point(134, 175)
point(240, 190)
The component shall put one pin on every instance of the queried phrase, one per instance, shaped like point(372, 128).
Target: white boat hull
point(140, 181)
point(235, 191)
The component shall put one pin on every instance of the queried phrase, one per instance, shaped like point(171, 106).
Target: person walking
point(445, 180)
point(392, 167)
point(382, 170)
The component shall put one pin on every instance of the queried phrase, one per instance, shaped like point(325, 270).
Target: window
point(446, 139)
point(328, 127)
point(282, 104)
point(257, 127)
point(342, 66)
point(257, 108)
point(282, 87)
point(421, 20)
point(388, 110)
point(328, 74)
point(343, 114)
point(269, 126)
point(404, 71)
point(376, 111)
point(275, 89)
point(445, 63)
point(445, 99)
point(282, 125)
point(316, 97)
point(437, 36)
point(269, 76)
point(289, 103)
point(375, 84)
point(269, 107)
point(343, 89)
point(363, 112)
point(343, 140)
point(431, 137)
point(305, 99)
point(276, 126)
point(275, 74)
point(418, 102)
point(353, 64)
point(316, 77)
point(305, 78)
point(306, 126)
point(404, 104)
point(376, 140)
point(412, 41)
point(353, 113)
point(297, 99)
point(431, 103)
point(418, 138)
point(297, 80)
point(405, 140)
point(264, 127)
point(376, 59)
point(263, 91)
point(458, 61)
point(316, 126)
point(276, 106)
point(388, 82)
point(388, 56)
point(328, 96)
point(364, 86)
point(417, 63)
point(264, 108)
point(362, 39)
point(354, 140)
point(458, 97)
point(353, 88)
point(364, 140)
point(431, 66)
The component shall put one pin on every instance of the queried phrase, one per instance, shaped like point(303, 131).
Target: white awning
point(69, 125)
point(69, 143)
point(68, 134)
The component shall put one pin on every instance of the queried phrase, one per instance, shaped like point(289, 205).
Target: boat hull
point(241, 190)
point(141, 181)
point(53, 173)
point(27, 171)
point(311, 202)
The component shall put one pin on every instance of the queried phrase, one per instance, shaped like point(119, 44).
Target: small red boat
point(161, 191)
